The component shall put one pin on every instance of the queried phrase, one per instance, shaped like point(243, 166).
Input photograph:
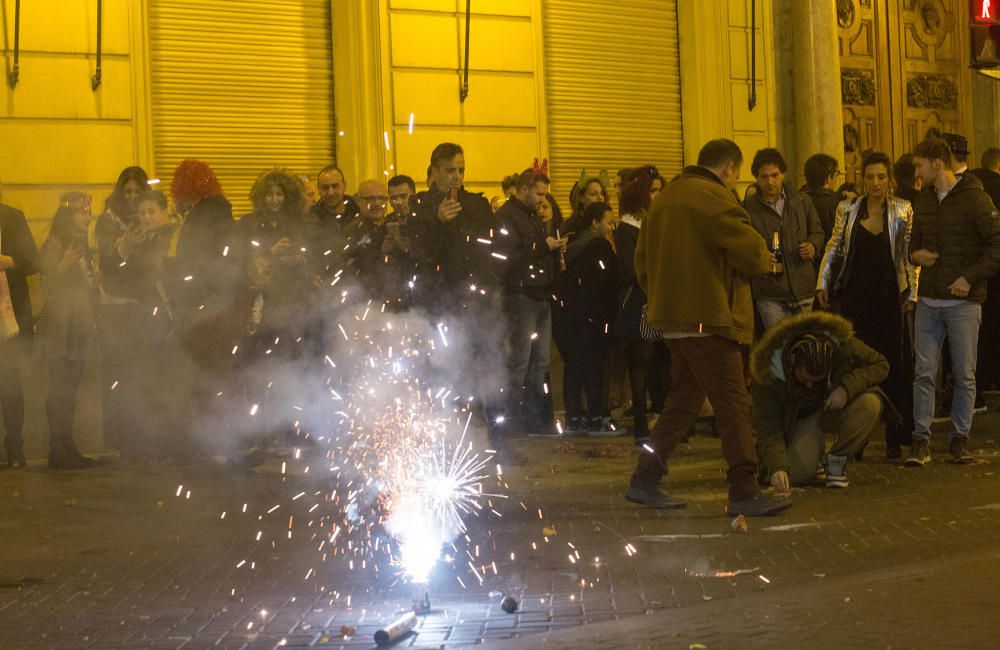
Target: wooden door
point(864, 80)
point(931, 64)
point(904, 71)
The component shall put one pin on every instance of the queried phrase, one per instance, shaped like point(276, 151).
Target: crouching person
point(812, 376)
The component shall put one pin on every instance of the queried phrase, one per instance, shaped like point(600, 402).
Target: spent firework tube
point(396, 630)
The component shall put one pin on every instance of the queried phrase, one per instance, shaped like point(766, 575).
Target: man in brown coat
point(695, 255)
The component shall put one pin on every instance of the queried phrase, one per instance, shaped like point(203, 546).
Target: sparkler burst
point(393, 443)
point(435, 492)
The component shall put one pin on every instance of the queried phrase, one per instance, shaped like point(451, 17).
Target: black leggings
point(638, 354)
point(584, 349)
point(64, 385)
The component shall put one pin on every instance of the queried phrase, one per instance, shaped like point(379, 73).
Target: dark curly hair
point(768, 156)
point(877, 158)
point(636, 188)
point(291, 186)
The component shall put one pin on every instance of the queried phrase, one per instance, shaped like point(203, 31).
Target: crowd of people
point(849, 296)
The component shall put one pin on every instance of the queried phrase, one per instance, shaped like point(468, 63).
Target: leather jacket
point(838, 250)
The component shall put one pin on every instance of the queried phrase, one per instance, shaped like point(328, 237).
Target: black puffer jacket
point(207, 267)
point(529, 260)
point(587, 291)
point(964, 230)
point(454, 256)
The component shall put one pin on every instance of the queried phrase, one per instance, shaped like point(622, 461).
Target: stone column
point(819, 121)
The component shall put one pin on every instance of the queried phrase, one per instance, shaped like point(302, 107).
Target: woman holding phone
point(66, 335)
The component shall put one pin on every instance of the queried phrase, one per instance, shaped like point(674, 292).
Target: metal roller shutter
point(242, 84)
point(612, 77)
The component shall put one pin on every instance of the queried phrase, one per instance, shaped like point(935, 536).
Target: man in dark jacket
point(988, 364)
point(456, 235)
point(956, 242)
point(822, 177)
point(526, 287)
point(458, 282)
point(812, 376)
point(905, 174)
point(779, 212)
point(696, 250)
point(989, 174)
point(325, 224)
point(18, 259)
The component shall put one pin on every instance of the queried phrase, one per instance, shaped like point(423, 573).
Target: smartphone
point(454, 194)
point(392, 229)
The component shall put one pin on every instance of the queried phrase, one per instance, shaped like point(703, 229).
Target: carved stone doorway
point(904, 70)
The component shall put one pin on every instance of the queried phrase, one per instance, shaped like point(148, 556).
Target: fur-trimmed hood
point(765, 358)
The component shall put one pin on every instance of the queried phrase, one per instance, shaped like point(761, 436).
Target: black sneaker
point(603, 428)
point(653, 498)
point(958, 449)
point(836, 471)
point(576, 427)
point(920, 453)
point(980, 405)
point(15, 460)
point(762, 505)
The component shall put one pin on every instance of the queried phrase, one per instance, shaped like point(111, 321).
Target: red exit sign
point(985, 11)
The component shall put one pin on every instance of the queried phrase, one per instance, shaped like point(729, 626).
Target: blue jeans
point(773, 312)
point(530, 344)
point(961, 325)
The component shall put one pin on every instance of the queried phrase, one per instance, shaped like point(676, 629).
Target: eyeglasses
point(381, 200)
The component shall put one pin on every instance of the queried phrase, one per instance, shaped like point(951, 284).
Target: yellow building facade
point(375, 84)
point(545, 81)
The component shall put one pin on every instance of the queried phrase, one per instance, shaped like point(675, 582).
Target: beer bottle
point(778, 263)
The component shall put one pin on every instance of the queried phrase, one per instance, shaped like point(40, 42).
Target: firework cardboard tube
point(421, 598)
point(509, 604)
point(396, 630)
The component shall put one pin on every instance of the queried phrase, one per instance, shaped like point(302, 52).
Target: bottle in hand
point(778, 263)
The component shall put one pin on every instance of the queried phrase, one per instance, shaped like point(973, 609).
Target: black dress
point(871, 301)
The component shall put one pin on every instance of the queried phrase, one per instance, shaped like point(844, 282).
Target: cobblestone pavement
point(126, 556)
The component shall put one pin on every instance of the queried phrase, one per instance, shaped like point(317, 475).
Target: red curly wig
point(193, 180)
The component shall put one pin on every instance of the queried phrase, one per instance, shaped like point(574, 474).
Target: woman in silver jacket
point(866, 276)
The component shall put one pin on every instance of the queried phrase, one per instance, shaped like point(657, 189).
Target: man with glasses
point(366, 236)
point(372, 199)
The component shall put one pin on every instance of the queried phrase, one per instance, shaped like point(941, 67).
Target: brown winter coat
point(776, 400)
point(695, 255)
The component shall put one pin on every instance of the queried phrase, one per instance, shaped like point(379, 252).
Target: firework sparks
point(404, 473)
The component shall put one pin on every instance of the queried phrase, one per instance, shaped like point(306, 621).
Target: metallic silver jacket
point(899, 224)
